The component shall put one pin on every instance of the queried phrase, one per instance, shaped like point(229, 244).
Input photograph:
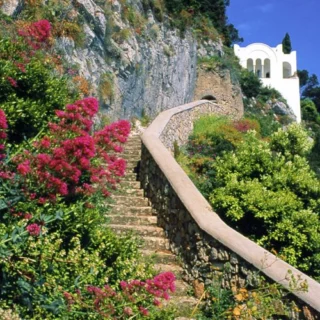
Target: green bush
point(309, 110)
point(268, 192)
point(30, 90)
point(265, 188)
point(250, 84)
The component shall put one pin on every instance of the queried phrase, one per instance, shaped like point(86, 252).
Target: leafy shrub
point(267, 301)
point(309, 110)
point(250, 84)
point(29, 89)
point(57, 255)
point(267, 191)
point(266, 188)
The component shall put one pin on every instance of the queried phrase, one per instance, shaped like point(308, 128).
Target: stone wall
point(203, 257)
point(181, 124)
point(207, 246)
point(218, 83)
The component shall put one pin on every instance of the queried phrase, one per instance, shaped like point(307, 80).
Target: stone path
point(132, 212)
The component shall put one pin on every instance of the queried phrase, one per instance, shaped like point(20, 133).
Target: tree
point(309, 110)
point(303, 76)
point(286, 44)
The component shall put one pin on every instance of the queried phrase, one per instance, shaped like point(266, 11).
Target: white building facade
point(275, 69)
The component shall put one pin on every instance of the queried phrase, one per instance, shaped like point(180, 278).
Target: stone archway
point(209, 97)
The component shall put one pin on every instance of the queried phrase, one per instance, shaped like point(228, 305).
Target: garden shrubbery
point(264, 188)
point(58, 258)
point(30, 87)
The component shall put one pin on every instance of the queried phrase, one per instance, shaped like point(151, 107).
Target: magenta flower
point(33, 229)
point(13, 82)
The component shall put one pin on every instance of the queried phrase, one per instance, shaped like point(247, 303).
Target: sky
point(267, 21)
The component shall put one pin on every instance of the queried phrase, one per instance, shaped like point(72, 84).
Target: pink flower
point(24, 167)
point(34, 229)
point(28, 216)
point(13, 82)
point(143, 311)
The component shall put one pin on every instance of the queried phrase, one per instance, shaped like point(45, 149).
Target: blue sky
point(267, 21)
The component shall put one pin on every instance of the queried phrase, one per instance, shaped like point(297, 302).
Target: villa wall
point(275, 69)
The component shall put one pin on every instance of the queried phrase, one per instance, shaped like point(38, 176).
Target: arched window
point(287, 70)
point(250, 65)
point(267, 68)
point(259, 68)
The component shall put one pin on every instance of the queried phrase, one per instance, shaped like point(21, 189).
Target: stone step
point(133, 220)
point(131, 184)
point(131, 192)
point(155, 243)
point(132, 143)
point(174, 268)
point(132, 151)
point(130, 210)
point(130, 176)
point(130, 156)
point(130, 201)
point(145, 231)
point(160, 256)
point(182, 288)
point(132, 164)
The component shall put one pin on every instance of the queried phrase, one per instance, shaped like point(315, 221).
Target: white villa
point(275, 69)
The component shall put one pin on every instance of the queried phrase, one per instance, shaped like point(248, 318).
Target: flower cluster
point(134, 297)
point(159, 286)
point(70, 160)
point(34, 229)
point(3, 135)
point(37, 33)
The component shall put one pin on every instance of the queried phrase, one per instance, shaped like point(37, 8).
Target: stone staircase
point(131, 212)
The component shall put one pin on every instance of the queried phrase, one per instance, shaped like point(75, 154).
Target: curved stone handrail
point(154, 151)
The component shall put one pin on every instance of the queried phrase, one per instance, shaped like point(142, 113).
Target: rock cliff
point(132, 56)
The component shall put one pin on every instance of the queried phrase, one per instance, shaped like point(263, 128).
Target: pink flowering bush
point(134, 299)
point(70, 161)
point(37, 34)
point(58, 258)
point(3, 134)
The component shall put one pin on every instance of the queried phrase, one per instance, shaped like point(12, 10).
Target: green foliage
point(250, 84)
point(286, 44)
point(61, 16)
point(303, 77)
point(267, 301)
point(106, 86)
point(34, 92)
point(265, 188)
point(227, 62)
point(145, 118)
point(267, 191)
point(215, 11)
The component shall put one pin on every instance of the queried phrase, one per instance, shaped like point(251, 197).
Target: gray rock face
point(133, 67)
point(282, 109)
point(152, 71)
point(11, 7)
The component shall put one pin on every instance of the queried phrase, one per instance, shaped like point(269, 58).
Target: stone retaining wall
point(207, 246)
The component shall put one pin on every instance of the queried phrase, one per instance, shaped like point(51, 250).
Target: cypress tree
point(286, 44)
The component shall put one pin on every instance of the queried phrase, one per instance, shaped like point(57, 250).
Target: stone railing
point(205, 243)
